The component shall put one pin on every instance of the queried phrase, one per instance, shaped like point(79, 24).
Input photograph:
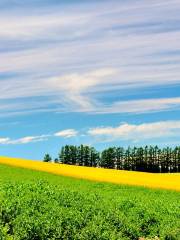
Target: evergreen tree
point(94, 157)
point(62, 156)
point(86, 156)
point(150, 159)
point(119, 158)
point(127, 159)
point(80, 155)
point(108, 158)
point(47, 158)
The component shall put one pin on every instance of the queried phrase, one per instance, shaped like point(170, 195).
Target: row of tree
point(147, 159)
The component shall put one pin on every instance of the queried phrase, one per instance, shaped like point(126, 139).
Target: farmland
point(39, 205)
point(152, 180)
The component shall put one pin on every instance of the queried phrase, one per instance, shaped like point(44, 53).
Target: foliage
point(81, 155)
point(147, 159)
point(47, 158)
point(40, 206)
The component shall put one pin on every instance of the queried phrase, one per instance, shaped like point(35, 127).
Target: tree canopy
point(147, 159)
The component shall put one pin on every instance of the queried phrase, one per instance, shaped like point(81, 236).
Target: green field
point(36, 205)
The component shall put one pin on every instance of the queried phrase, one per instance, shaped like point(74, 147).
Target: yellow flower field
point(152, 180)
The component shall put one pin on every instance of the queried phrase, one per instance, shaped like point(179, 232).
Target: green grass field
point(36, 205)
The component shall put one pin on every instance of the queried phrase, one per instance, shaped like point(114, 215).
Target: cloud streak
point(68, 133)
point(24, 140)
point(142, 106)
point(87, 51)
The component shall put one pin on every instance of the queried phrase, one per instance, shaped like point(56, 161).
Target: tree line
point(145, 159)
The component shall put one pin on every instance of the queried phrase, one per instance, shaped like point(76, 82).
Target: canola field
point(151, 180)
point(36, 205)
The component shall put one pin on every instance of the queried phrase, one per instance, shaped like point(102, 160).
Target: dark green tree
point(127, 159)
point(56, 160)
point(148, 158)
point(61, 156)
point(120, 158)
point(80, 155)
point(108, 158)
point(94, 157)
point(47, 158)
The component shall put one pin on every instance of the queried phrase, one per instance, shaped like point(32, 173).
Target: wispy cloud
point(142, 106)
point(4, 140)
point(124, 132)
point(87, 50)
point(137, 132)
point(24, 140)
point(68, 133)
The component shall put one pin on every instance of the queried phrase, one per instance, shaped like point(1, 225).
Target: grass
point(152, 180)
point(37, 205)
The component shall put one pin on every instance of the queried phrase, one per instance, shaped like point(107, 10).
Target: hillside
point(39, 205)
point(152, 180)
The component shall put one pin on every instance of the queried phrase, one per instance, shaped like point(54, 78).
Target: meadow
point(37, 205)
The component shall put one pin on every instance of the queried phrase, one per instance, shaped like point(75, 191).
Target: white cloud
point(74, 53)
point(67, 133)
point(29, 139)
point(24, 140)
point(36, 27)
point(137, 132)
point(142, 106)
point(74, 87)
point(4, 140)
point(124, 132)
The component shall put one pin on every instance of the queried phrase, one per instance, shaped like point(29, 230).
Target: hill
point(152, 180)
point(39, 205)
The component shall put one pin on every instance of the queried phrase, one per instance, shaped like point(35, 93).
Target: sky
point(102, 73)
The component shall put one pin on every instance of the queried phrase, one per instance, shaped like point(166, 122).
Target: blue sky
point(100, 73)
